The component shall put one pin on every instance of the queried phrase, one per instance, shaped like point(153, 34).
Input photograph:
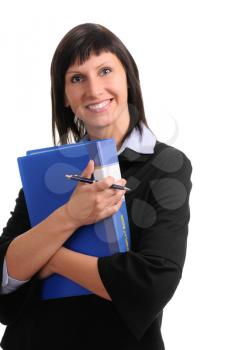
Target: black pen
point(90, 181)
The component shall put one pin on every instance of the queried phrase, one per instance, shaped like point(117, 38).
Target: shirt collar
point(144, 143)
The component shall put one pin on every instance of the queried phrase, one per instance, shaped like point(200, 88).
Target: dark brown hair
point(78, 44)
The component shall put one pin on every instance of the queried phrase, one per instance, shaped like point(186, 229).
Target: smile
point(100, 107)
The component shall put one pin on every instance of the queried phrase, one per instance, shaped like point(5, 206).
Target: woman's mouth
point(101, 106)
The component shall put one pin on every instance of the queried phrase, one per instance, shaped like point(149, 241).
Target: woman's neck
point(116, 132)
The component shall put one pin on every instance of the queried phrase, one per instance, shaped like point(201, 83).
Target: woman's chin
point(102, 123)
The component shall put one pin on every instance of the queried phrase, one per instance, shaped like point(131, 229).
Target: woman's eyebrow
point(76, 71)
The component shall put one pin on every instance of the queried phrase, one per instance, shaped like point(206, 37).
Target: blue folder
point(46, 188)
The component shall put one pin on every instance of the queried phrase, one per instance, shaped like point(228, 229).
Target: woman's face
point(96, 91)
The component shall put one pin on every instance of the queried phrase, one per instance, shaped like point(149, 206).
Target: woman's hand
point(90, 203)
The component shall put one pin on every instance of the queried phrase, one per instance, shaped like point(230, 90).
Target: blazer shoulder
point(170, 159)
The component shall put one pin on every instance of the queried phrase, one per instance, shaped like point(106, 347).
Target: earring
point(75, 119)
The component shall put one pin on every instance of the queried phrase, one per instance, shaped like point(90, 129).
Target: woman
point(96, 94)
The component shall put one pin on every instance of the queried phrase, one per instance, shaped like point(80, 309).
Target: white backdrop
point(183, 52)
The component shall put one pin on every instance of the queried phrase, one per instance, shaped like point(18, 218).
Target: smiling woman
point(96, 94)
point(93, 58)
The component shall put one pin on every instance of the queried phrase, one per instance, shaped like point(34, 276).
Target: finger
point(118, 196)
point(111, 210)
point(105, 183)
point(121, 182)
point(111, 191)
point(110, 200)
point(88, 171)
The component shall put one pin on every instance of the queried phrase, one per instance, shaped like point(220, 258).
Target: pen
point(90, 181)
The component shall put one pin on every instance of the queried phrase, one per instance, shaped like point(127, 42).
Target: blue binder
point(46, 188)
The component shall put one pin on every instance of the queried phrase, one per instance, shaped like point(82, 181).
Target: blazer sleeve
point(141, 282)
point(12, 304)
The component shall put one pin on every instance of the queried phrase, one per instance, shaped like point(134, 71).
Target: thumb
point(88, 171)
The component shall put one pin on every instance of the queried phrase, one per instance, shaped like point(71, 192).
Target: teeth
point(99, 105)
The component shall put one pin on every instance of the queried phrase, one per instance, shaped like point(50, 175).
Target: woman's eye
point(76, 79)
point(105, 71)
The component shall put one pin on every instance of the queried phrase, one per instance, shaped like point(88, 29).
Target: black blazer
point(140, 282)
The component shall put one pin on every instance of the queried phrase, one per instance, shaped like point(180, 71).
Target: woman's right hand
point(90, 203)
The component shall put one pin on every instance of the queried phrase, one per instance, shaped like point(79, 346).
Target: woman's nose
point(94, 87)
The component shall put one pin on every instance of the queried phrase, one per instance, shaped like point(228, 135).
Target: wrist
point(67, 220)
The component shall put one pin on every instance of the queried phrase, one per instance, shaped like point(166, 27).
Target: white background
point(183, 52)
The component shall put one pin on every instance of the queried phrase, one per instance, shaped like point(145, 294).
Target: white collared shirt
point(144, 144)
